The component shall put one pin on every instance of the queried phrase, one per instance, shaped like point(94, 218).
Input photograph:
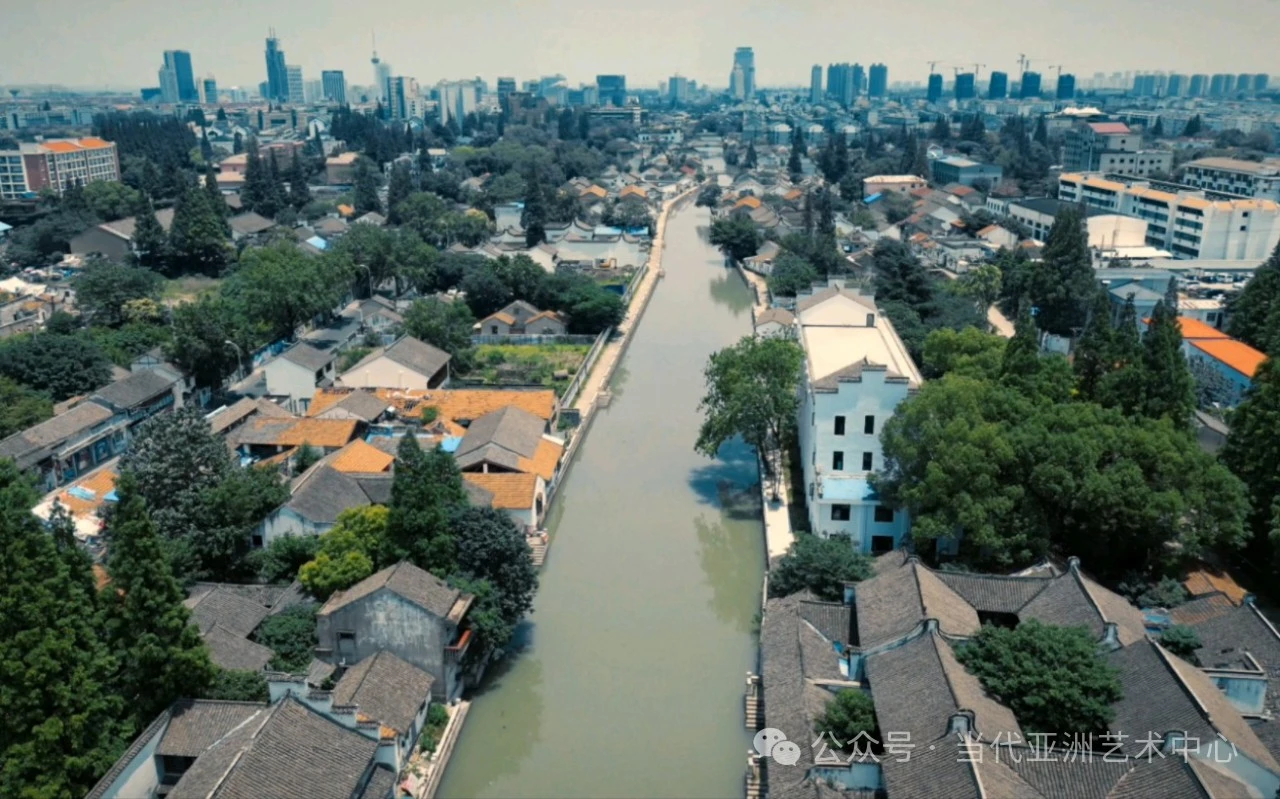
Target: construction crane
point(977, 70)
point(932, 65)
point(1059, 68)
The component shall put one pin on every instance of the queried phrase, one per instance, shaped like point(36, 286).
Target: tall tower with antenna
point(381, 72)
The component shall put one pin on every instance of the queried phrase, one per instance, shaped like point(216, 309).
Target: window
point(866, 461)
point(493, 329)
point(869, 425)
point(839, 513)
point(884, 514)
point(839, 425)
point(837, 461)
point(881, 544)
point(346, 643)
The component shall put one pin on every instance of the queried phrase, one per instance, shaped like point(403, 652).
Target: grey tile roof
point(125, 228)
point(418, 586)
point(512, 429)
point(197, 724)
point(477, 496)
point(853, 374)
point(821, 296)
point(250, 223)
point(1075, 600)
point(286, 752)
point(243, 409)
point(318, 672)
point(931, 774)
point(363, 405)
point(382, 782)
point(833, 619)
point(136, 388)
point(898, 599)
point(29, 446)
point(1164, 778)
point(228, 650)
point(1091, 779)
point(386, 689)
point(994, 594)
point(326, 493)
point(233, 612)
point(1216, 782)
point(780, 315)
point(410, 353)
point(308, 357)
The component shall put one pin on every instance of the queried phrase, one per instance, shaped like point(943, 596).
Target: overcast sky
point(83, 43)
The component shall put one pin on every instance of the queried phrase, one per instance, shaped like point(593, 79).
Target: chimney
point(871, 320)
point(960, 724)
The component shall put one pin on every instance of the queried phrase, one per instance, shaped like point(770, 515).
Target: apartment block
point(1187, 222)
point(56, 164)
point(857, 371)
point(1111, 147)
point(1260, 180)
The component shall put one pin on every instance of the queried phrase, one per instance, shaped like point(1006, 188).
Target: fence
point(635, 281)
point(565, 338)
point(584, 369)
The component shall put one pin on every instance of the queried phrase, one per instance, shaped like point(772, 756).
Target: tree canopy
point(819, 565)
point(736, 236)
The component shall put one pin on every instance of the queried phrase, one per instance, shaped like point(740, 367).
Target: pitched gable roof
point(410, 353)
point(416, 585)
point(385, 689)
point(325, 493)
point(226, 609)
point(229, 650)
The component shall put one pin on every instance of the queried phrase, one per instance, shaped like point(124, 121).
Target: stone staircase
point(753, 702)
point(538, 545)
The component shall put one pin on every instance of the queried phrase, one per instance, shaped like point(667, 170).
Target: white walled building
point(856, 372)
point(1260, 180)
point(1190, 224)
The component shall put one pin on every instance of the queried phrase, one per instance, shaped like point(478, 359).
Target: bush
point(821, 565)
point(850, 714)
point(280, 560)
point(291, 634)
point(1181, 641)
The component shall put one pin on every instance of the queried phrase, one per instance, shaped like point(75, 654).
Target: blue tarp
point(318, 243)
point(872, 198)
point(450, 444)
point(849, 489)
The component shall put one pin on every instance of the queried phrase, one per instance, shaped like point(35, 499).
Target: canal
point(630, 682)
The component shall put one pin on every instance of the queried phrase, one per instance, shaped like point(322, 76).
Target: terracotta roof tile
point(1236, 354)
point(359, 456)
point(544, 460)
point(511, 490)
point(1208, 581)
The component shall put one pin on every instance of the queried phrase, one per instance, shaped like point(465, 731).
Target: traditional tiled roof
point(780, 316)
point(227, 609)
point(242, 409)
point(508, 490)
point(994, 594)
point(325, 493)
point(294, 432)
point(897, 600)
point(418, 586)
point(229, 650)
point(308, 357)
point(360, 403)
point(410, 353)
point(361, 457)
point(385, 689)
point(511, 438)
point(137, 388)
point(195, 725)
point(28, 446)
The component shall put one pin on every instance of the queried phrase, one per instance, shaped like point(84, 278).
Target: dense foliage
point(849, 716)
point(819, 565)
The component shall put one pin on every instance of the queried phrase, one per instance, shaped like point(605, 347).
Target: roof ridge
point(271, 711)
point(1073, 568)
point(935, 638)
point(1188, 764)
point(1262, 618)
point(1165, 658)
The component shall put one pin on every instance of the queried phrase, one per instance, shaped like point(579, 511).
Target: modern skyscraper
point(858, 79)
point(966, 86)
point(210, 86)
point(745, 58)
point(933, 94)
point(815, 84)
point(1219, 85)
point(738, 83)
point(179, 63)
point(505, 87)
point(678, 90)
point(457, 99)
point(998, 86)
point(1243, 82)
point(295, 93)
point(840, 84)
point(168, 77)
point(335, 85)
point(403, 99)
point(613, 89)
point(1066, 86)
point(1030, 87)
point(277, 75)
point(1198, 86)
point(878, 85)
point(1260, 82)
point(1176, 85)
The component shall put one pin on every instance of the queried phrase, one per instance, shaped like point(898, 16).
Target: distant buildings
point(295, 93)
point(334, 85)
point(878, 85)
point(1066, 86)
point(902, 184)
point(505, 87)
point(1111, 147)
point(277, 74)
point(404, 99)
point(998, 87)
point(955, 169)
point(815, 84)
point(613, 89)
point(934, 91)
point(457, 100)
point(742, 80)
point(209, 87)
point(55, 164)
point(844, 83)
point(1030, 86)
point(678, 89)
point(966, 87)
point(177, 83)
point(1260, 180)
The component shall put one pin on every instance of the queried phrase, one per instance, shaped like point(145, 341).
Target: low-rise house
point(775, 322)
point(379, 314)
point(1236, 362)
point(227, 419)
point(143, 394)
point(269, 437)
point(406, 364)
point(331, 228)
point(519, 318)
point(901, 184)
point(227, 614)
point(372, 218)
point(361, 457)
point(249, 226)
point(403, 610)
point(340, 170)
point(115, 239)
point(297, 372)
point(454, 408)
point(998, 236)
point(318, 497)
point(510, 440)
point(967, 172)
point(358, 404)
point(762, 262)
point(521, 495)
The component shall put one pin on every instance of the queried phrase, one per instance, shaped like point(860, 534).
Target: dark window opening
point(866, 461)
point(884, 514)
point(839, 425)
point(881, 544)
point(869, 425)
point(837, 461)
point(839, 513)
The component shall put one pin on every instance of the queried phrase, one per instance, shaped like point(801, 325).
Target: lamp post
point(239, 356)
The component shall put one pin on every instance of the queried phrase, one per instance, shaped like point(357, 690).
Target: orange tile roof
point(1195, 329)
point(100, 483)
point(636, 190)
point(328, 433)
point(61, 147)
point(544, 460)
point(360, 456)
point(453, 404)
point(511, 490)
point(93, 142)
point(1210, 581)
point(595, 191)
point(346, 210)
point(794, 194)
point(100, 576)
point(1193, 202)
point(1236, 354)
point(505, 318)
point(748, 202)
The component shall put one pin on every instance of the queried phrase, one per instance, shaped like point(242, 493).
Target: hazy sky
point(84, 43)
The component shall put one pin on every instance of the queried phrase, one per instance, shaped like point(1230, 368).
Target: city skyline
point(786, 41)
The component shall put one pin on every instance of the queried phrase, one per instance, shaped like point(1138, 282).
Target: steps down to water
point(754, 702)
point(538, 545)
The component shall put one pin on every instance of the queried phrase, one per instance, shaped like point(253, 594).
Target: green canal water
point(630, 681)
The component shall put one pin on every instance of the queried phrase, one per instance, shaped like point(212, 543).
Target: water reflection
point(620, 376)
point(731, 291)
point(512, 727)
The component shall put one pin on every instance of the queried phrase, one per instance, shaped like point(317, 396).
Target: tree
point(109, 199)
point(103, 288)
point(849, 715)
point(347, 552)
point(794, 164)
point(62, 725)
point(20, 407)
point(485, 291)
point(791, 275)
point(983, 283)
point(282, 287)
point(941, 129)
point(970, 352)
point(291, 635)
point(1193, 127)
point(1253, 454)
point(1168, 389)
point(1157, 130)
point(447, 325)
point(203, 335)
point(306, 457)
point(749, 160)
point(210, 185)
point(1181, 641)
point(489, 547)
point(426, 488)
point(229, 513)
point(1052, 678)
point(399, 188)
point(280, 560)
point(1095, 351)
point(1254, 310)
point(299, 191)
point(736, 236)
point(59, 365)
point(150, 241)
point(1063, 285)
point(1121, 386)
point(237, 144)
point(819, 565)
point(709, 197)
point(198, 235)
point(366, 188)
point(534, 217)
point(161, 656)
point(751, 392)
point(238, 686)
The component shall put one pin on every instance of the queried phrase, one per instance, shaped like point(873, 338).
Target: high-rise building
point(966, 86)
point(209, 88)
point(1176, 86)
point(613, 89)
point(745, 58)
point(1198, 86)
point(335, 86)
point(1030, 87)
point(178, 63)
point(998, 86)
point(1219, 85)
point(815, 84)
point(277, 75)
point(840, 84)
point(55, 164)
point(878, 85)
point(505, 87)
point(738, 83)
point(313, 91)
point(404, 99)
point(934, 93)
point(1066, 86)
point(457, 100)
point(168, 83)
point(1260, 82)
point(678, 90)
point(296, 93)
point(1243, 83)
point(858, 77)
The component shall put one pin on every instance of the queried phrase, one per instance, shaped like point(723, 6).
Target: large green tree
point(425, 490)
point(1063, 284)
point(1256, 308)
point(1095, 354)
point(282, 287)
point(299, 191)
point(1253, 454)
point(198, 236)
point(1054, 679)
point(1168, 389)
point(161, 656)
point(489, 547)
point(399, 187)
point(736, 236)
point(104, 287)
point(60, 365)
point(21, 407)
point(366, 187)
point(751, 392)
point(848, 715)
point(150, 239)
point(443, 324)
point(347, 552)
point(819, 565)
point(791, 275)
point(62, 717)
point(210, 339)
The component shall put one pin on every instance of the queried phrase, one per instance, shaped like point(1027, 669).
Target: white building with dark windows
point(856, 372)
point(1257, 179)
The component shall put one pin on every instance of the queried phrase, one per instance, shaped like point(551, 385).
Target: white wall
point(286, 378)
point(384, 373)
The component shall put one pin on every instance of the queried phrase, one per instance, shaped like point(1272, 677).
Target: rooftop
point(416, 585)
point(835, 336)
point(1235, 354)
point(385, 689)
point(1259, 168)
point(410, 353)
